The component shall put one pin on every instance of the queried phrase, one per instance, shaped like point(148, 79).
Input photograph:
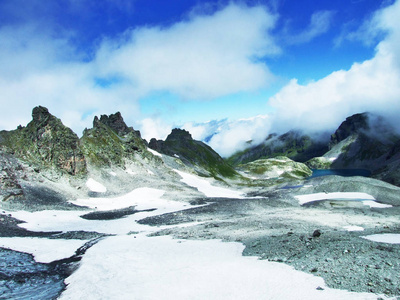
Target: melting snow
point(95, 186)
point(206, 188)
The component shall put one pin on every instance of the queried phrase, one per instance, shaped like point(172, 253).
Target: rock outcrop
point(45, 143)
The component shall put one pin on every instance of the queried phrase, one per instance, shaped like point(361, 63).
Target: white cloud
point(154, 128)
point(205, 57)
point(373, 85)
point(227, 137)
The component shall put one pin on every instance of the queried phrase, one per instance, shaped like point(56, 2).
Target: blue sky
point(260, 66)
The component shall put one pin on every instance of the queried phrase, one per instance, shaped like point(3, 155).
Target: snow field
point(125, 267)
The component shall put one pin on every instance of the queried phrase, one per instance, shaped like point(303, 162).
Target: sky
point(227, 71)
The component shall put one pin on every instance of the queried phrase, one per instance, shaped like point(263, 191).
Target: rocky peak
point(352, 125)
point(40, 115)
point(115, 122)
point(179, 135)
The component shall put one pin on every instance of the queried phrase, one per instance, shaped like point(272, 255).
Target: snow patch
point(112, 173)
point(365, 198)
point(95, 186)
point(353, 228)
point(44, 250)
point(206, 188)
point(389, 238)
point(154, 152)
point(303, 199)
point(150, 172)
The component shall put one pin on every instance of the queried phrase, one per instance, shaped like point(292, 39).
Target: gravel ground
point(310, 238)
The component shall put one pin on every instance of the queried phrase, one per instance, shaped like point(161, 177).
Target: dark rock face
point(352, 125)
point(373, 142)
point(193, 153)
point(46, 142)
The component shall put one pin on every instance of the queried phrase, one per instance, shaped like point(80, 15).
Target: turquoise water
point(340, 172)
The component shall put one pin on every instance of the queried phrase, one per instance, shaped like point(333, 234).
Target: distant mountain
point(194, 154)
point(362, 141)
point(366, 141)
point(293, 144)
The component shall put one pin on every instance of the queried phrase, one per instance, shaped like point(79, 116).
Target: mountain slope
point(193, 153)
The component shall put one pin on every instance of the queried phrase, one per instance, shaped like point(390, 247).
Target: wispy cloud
point(320, 23)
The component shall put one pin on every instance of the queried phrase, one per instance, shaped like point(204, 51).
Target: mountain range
point(47, 151)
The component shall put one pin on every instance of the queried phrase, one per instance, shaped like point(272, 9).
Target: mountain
point(194, 154)
point(366, 141)
point(293, 144)
point(46, 143)
point(111, 141)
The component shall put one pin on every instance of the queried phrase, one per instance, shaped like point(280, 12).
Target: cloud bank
point(372, 85)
